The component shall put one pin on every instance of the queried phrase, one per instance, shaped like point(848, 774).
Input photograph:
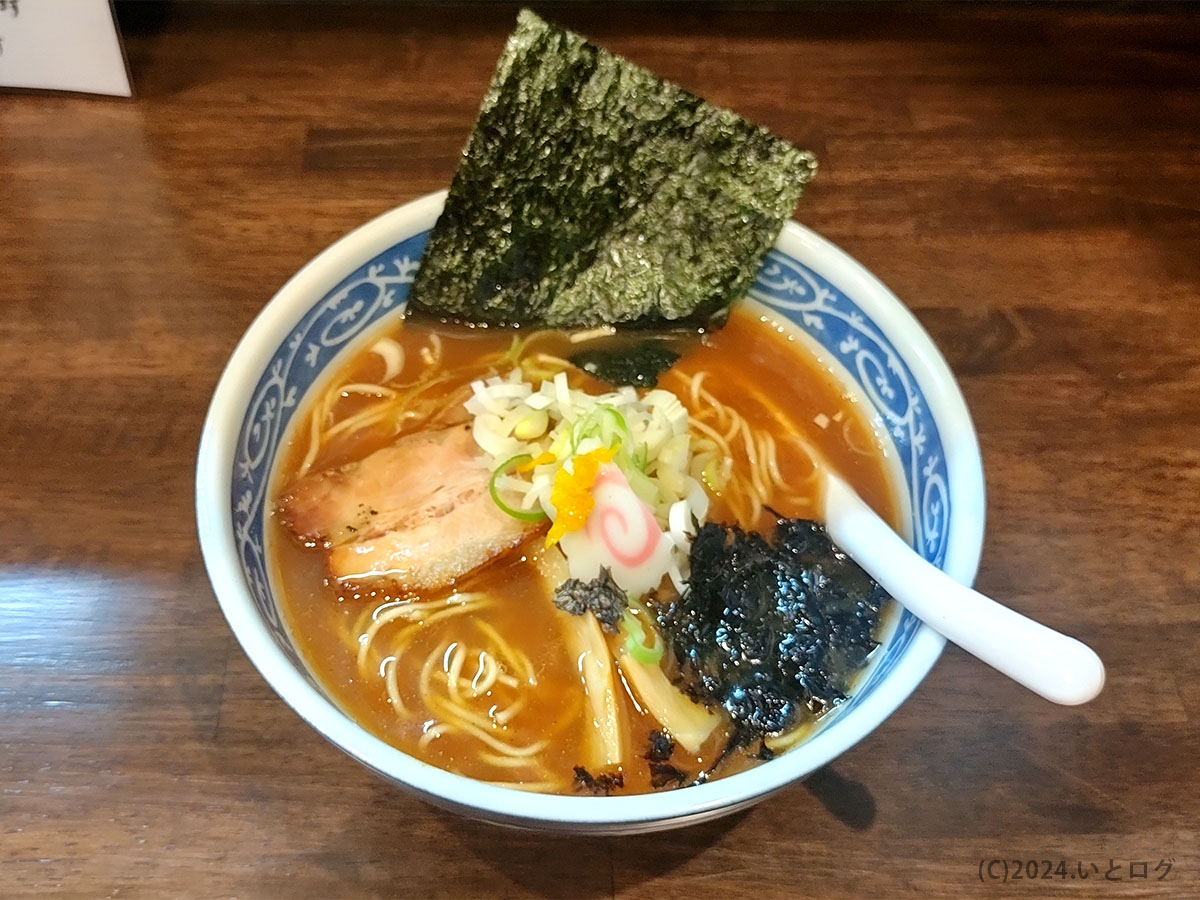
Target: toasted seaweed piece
point(661, 747)
point(637, 364)
point(770, 629)
point(601, 784)
point(592, 192)
point(602, 596)
point(664, 774)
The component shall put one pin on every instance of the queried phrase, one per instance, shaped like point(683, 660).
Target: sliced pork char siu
point(417, 512)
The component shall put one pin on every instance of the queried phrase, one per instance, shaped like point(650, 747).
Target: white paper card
point(61, 45)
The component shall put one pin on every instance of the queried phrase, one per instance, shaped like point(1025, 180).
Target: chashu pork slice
point(434, 553)
point(418, 477)
point(417, 512)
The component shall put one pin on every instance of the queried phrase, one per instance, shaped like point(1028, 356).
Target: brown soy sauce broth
point(754, 365)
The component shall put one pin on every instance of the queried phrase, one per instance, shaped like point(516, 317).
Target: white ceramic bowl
point(363, 278)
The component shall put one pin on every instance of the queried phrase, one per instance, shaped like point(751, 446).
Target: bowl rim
point(621, 814)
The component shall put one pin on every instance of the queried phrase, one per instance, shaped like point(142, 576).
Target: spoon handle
point(1047, 662)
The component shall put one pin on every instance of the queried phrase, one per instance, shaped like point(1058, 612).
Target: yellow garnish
point(571, 494)
point(540, 460)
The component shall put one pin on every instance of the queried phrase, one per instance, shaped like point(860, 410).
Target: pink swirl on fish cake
point(621, 522)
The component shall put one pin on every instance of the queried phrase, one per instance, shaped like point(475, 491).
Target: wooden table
point(1026, 178)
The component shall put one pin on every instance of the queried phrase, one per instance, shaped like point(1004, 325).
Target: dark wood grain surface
point(1026, 178)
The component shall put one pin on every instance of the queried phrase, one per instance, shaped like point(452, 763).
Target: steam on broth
point(485, 676)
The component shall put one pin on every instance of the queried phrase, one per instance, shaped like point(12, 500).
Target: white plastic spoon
point(1047, 662)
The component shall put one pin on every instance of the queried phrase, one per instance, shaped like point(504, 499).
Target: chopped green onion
point(642, 485)
point(617, 426)
point(641, 457)
point(635, 640)
point(604, 422)
point(525, 515)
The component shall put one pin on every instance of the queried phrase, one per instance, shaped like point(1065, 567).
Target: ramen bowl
point(847, 315)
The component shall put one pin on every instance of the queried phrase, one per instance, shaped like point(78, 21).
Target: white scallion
point(552, 423)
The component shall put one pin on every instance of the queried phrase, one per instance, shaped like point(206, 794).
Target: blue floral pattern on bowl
point(828, 315)
point(379, 288)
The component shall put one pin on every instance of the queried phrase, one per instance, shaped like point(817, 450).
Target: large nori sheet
point(593, 192)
